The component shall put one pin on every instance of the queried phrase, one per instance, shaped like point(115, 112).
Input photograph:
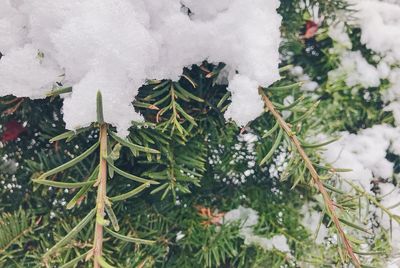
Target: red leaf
point(311, 29)
point(12, 130)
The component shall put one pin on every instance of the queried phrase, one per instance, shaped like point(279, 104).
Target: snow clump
point(115, 45)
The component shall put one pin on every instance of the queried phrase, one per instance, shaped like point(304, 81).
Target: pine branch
point(101, 197)
point(12, 228)
point(373, 200)
point(314, 174)
point(103, 204)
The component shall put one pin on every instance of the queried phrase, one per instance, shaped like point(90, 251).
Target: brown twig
point(101, 197)
point(6, 102)
point(314, 174)
point(12, 109)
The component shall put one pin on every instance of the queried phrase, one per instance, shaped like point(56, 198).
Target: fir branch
point(12, 228)
point(101, 197)
point(106, 160)
point(314, 174)
point(374, 201)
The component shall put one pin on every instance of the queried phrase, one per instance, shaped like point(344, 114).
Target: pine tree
point(161, 196)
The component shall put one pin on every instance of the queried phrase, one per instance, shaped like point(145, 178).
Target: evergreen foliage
point(172, 179)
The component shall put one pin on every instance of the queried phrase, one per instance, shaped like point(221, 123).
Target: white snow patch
point(24, 74)
point(311, 220)
point(249, 218)
point(380, 31)
point(380, 26)
point(115, 45)
point(355, 70)
point(337, 32)
point(365, 153)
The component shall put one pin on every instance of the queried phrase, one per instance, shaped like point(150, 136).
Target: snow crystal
point(365, 154)
point(391, 96)
point(288, 100)
point(312, 221)
point(380, 32)
point(249, 218)
point(242, 154)
point(24, 74)
point(204, 9)
point(248, 104)
point(337, 32)
point(390, 200)
point(356, 71)
point(12, 31)
point(380, 26)
point(279, 163)
point(394, 107)
point(308, 84)
point(179, 236)
point(114, 46)
point(383, 69)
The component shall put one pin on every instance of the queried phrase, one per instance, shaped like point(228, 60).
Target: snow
point(30, 79)
point(179, 236)
point(242, 154)
point(380, 27)
point(279, 162)
point(248, 218)
point(391, 195)
point(11, 28)
point(356, 71)
point(312, 221)
point(337, 32)
point(204, 9)
point(247, 101)
point(307, 84)
point(394, 107)
point(114, 46)
point(392, 95)
point(114, 109)
point(365, 153)
point(380, 32)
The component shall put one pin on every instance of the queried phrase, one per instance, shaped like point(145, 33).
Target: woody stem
point(101, 197)
point(314, 174)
